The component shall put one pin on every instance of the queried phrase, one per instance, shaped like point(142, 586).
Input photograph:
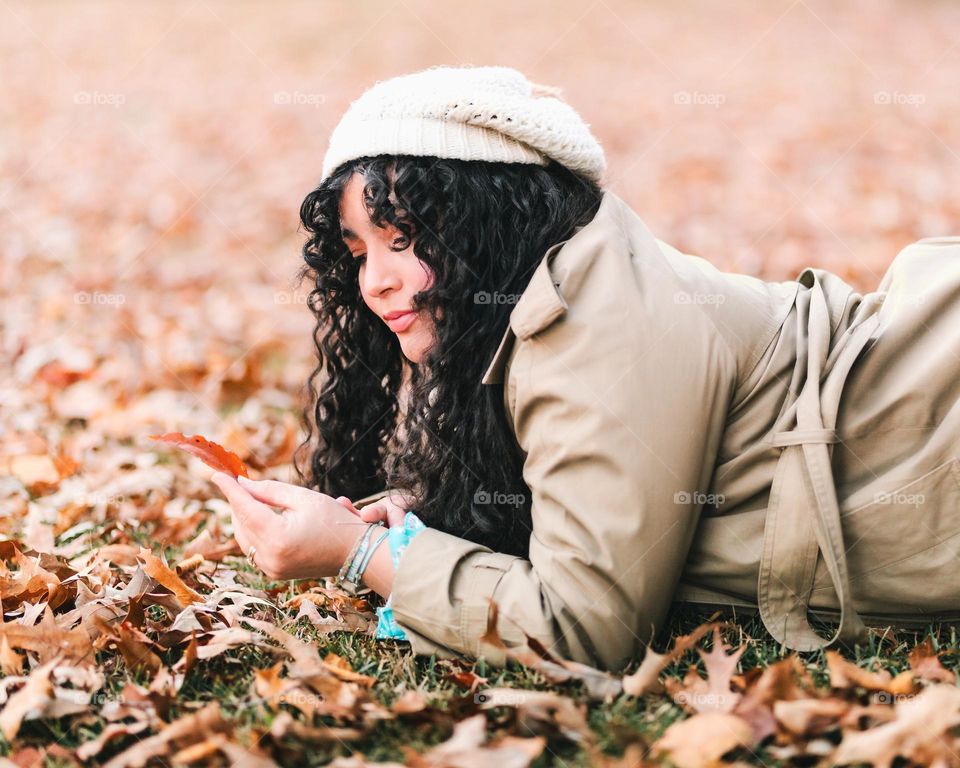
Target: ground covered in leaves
point(152, 162)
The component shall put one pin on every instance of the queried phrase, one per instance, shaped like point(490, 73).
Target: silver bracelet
point(345, 580)
point(369, 556)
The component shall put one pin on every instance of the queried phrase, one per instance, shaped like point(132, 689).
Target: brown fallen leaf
point(120, 554)
point(702, 739)
point(135, 647)
point(468, 746)
point(340, 667)
point(785, 680)
point(11, 662)
point(409, 702)
point(646, 678)
point(917, 734)
point(33, 699)
point(543, 713)
point(926, 664)
point(201, 750)
point(112, 731)
point(39, 473)
point(210, 548)
point(599, 684)
point(157, 569)
point(807, 717)
point(275, 690)
point(284, 725)
point(47, 640)
point(845, 674)
point(193, 727)
point(339, 696)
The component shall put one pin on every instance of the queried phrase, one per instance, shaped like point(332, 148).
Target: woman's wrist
point(348, 575)
point(378, 575)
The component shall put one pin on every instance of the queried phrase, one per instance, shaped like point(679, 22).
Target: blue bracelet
point(399, 537)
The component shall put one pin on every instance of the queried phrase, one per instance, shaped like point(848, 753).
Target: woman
point(597, 424)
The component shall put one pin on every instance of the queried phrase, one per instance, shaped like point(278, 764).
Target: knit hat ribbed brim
point(487, 113)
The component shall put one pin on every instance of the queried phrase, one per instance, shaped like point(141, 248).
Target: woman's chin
point(411, 352)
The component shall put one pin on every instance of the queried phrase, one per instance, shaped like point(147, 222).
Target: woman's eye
point(361, 258)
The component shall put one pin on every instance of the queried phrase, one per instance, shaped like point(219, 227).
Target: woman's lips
point(400, 323)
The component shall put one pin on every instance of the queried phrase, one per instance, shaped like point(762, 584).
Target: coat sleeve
point(620, 430)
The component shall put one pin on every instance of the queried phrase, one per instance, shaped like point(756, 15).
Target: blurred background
point(153, 157)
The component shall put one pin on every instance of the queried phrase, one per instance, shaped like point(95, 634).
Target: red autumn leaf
point(210, 453)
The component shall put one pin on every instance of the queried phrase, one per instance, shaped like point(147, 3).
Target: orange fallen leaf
point(210, 453)
point(155, 567)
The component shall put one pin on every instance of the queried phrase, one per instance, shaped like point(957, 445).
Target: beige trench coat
point(701, 436)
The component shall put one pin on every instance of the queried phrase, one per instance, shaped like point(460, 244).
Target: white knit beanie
point(471, 113)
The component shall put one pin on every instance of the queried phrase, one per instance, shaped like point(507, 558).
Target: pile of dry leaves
point(71, 612)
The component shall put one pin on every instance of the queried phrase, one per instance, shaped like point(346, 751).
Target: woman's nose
point(380, 275)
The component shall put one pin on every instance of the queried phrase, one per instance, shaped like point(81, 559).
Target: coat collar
point(541, 301)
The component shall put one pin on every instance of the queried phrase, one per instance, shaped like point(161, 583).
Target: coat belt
point(803, 518)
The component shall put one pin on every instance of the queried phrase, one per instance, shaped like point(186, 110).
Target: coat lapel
point(538, 306)
point(541, 302)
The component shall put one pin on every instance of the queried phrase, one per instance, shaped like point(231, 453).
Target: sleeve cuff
point(441, 592)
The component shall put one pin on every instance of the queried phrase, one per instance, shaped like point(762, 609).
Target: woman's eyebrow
point(348, 234)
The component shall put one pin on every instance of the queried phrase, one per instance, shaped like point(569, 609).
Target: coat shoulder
point(616, 278)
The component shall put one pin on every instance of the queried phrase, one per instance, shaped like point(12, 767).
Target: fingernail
point(245, 480)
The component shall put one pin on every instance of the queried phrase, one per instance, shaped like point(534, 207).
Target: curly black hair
point(480, 227)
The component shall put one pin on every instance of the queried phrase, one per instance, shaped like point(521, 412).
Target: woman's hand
point(391, 509)
point(311, 537)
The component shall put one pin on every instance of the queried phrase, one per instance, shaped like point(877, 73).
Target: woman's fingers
point(348, 504)
point(277, 494)
point(255, 518)
point(395, 516)
point(385, 510)
point(373, 512)
point(241, 535)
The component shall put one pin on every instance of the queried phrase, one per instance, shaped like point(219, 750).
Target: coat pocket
point(902, 547)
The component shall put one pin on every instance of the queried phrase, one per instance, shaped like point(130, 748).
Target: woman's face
point(388, 279)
